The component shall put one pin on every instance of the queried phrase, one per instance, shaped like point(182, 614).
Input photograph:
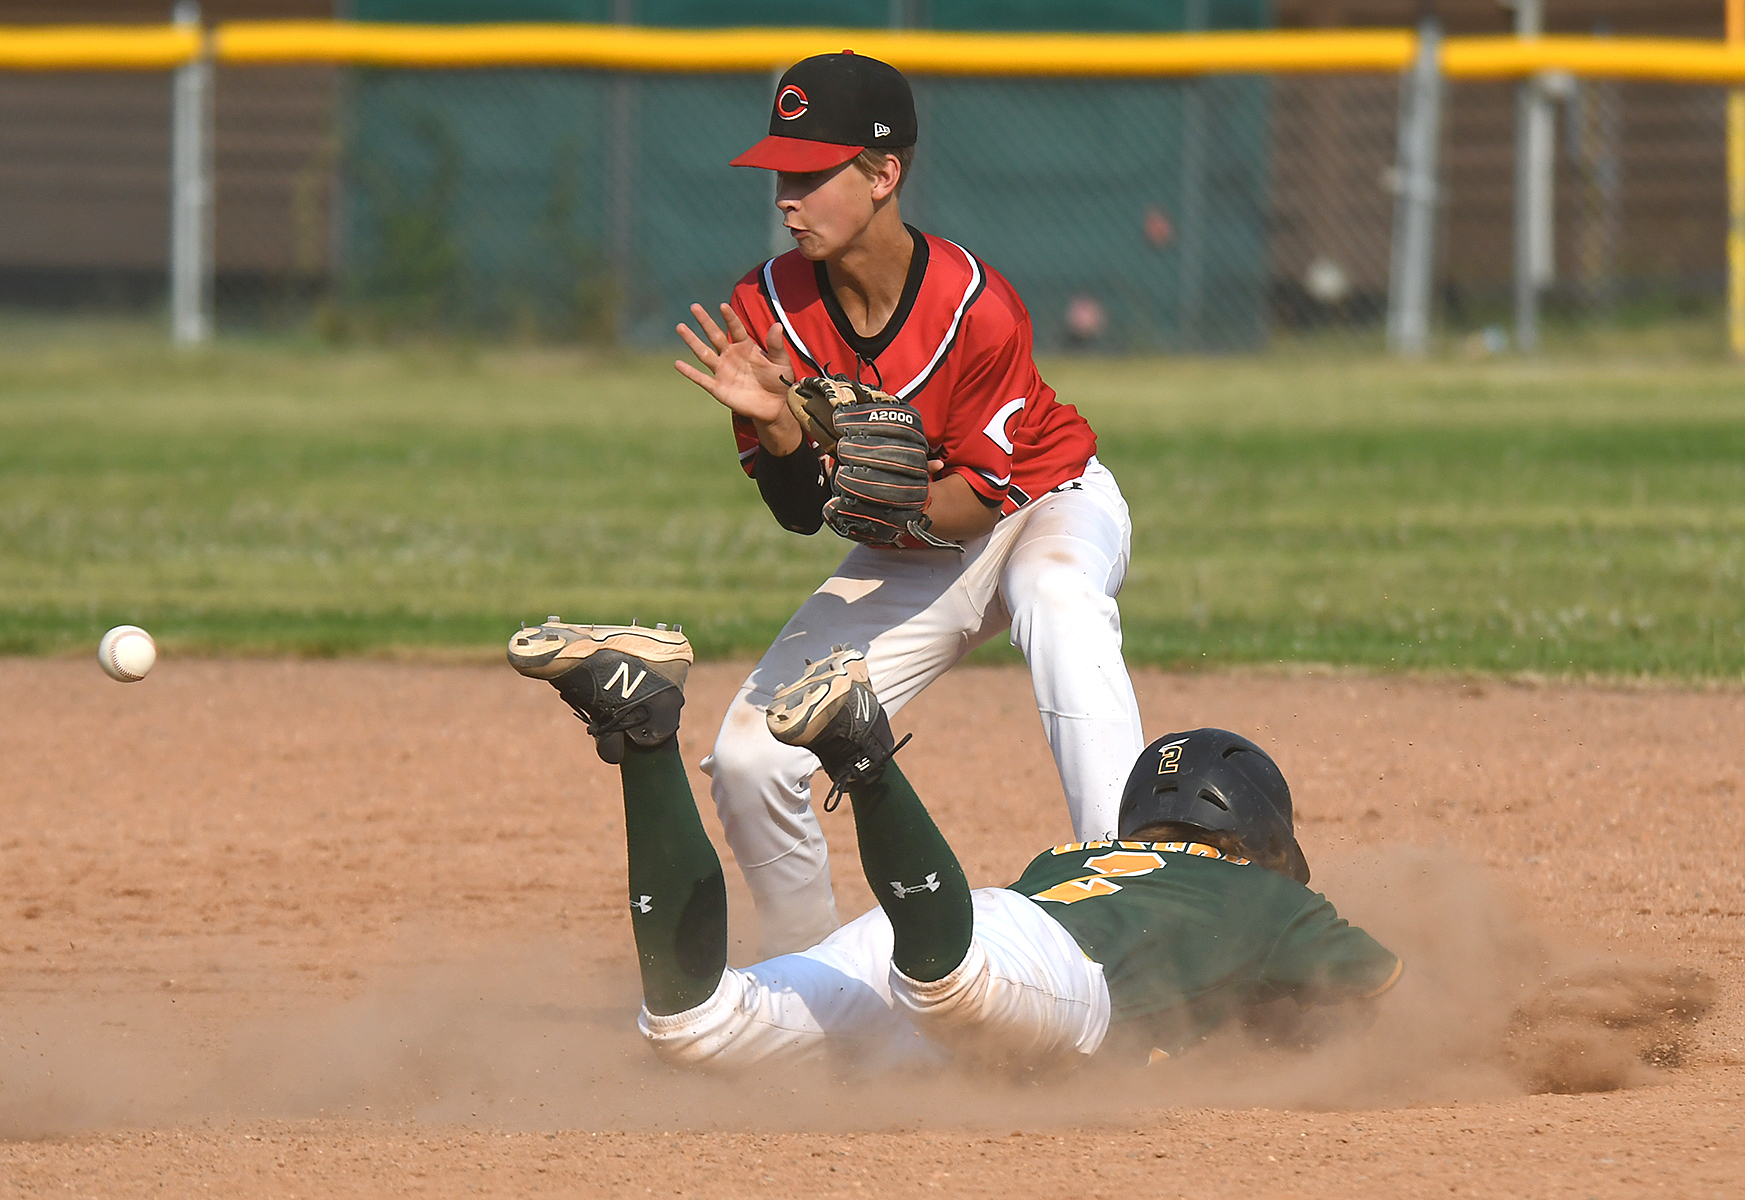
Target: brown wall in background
point(1662, 221)
point(84, 163)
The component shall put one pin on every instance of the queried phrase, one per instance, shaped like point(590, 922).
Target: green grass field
point(1580, 516)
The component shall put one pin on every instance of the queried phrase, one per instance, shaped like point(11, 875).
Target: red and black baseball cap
point(829, 108)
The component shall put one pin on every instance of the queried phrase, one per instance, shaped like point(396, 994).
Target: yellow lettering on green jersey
point(1126, 862)
point(1074, 890)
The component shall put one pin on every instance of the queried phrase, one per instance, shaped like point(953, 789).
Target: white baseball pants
point(1025, 995)
point(1048, 573)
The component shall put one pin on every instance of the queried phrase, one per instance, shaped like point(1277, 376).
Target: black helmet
point(1221, 782)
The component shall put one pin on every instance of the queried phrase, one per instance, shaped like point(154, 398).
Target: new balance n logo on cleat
point(625, 681)
point(931, 884)
point(621, 680)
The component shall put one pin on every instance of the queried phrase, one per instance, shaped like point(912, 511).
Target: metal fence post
point(1535, 147)
point(191, 267)
point(1412, 269)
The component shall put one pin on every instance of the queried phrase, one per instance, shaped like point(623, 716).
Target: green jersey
point(1188, 937)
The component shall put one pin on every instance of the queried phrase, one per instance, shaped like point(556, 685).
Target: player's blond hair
point(1224, 842)
point(871, 161)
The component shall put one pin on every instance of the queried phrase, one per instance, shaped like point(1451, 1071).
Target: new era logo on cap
point(825, 104)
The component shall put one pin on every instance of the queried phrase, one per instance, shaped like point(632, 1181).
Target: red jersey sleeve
point(986, 406)
point(750, 306)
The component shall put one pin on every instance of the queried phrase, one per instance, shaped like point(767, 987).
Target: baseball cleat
point(831, 710)
point(625, 681)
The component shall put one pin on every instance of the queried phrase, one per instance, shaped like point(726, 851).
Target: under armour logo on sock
point(932, 885)
point(643, 904)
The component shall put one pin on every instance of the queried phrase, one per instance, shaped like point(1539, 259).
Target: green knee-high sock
point(916, 877)
point(678, 899)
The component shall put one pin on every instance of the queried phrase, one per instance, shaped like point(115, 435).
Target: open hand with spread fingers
point(748, 378)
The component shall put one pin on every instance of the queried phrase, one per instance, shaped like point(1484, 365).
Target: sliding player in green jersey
point(1195, 915)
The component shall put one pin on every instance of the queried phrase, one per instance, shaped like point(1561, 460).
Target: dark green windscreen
point(1111, 15)
point(1130, 214)
point(685, 13)
point(442, 12)
point(1098, 15)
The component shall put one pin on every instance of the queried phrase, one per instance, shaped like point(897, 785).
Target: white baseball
point(127, 653)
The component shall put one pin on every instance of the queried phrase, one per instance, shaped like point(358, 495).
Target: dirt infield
point(300, 927)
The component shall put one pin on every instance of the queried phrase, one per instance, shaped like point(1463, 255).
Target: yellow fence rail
point(1675, 60)
point(97, 47)
point(927, 52)
point(917, 51)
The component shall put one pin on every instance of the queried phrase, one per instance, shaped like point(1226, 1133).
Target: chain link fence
point(1217, 214)
point(1640, 215)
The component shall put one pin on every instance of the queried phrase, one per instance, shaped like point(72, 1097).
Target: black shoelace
point(858, 774)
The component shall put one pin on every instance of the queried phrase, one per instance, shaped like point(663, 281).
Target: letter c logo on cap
point(790, 103)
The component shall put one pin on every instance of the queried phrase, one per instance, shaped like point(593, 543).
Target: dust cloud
point(1489, 1006)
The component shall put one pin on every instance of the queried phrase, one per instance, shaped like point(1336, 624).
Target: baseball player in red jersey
point(1043, 529)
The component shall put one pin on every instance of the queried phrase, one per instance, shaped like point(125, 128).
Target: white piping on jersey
point(945, 343)
point(775, 301)
point(969, 293)
point(999, 482)
point(746, 455)
point(996, 429)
